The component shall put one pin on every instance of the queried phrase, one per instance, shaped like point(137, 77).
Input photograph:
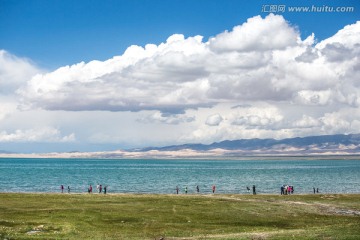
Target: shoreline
point(66, 156)
point(174, 194)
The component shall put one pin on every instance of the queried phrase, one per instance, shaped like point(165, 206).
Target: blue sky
point(102, 75)
point(61, 32)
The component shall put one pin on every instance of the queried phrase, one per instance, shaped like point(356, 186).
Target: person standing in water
point(68, 189)
point(254, 189)
point(213, 188)
point(197, 189)
point(62, 188)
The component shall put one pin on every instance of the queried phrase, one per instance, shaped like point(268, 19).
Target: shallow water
point(162, 176)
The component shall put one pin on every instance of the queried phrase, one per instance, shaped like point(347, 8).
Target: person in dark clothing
point(197, 189)
point(282, 190)
point(254, 189)
point(105, 188)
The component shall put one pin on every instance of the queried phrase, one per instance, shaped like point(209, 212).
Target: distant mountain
point(313, 144)
point(329, 146)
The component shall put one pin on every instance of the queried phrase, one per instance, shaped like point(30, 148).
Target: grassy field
point(125, 216)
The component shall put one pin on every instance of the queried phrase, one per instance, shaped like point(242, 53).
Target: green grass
point(125, 216)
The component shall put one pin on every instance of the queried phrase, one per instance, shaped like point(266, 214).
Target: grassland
point(123, 216)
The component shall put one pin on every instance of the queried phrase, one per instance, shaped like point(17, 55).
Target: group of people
point(213, 188)
point(253, 189)
point(286, 189)
point(62, 189)
point(99, 188)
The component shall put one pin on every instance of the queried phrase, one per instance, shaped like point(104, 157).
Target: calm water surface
point(162, 176)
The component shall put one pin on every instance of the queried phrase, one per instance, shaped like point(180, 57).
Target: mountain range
point(332, 144)
point(326, 145)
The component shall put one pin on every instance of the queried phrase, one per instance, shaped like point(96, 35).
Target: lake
point(162, 176)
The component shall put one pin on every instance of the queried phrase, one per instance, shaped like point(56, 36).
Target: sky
point(104, 75)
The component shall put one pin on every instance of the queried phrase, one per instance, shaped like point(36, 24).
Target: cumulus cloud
point(45, 134)
point(307, 122)
point(257, 34)
point(262, 116)
point(314, 97)
point(262, 59)
point(214, 120)
point(14, 71)
point(166, 118)
point(349, 36)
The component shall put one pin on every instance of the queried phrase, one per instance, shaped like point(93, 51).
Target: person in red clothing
point(213, 188)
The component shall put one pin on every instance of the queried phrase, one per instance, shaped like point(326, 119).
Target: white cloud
point(349, 36)
point(257, 34)
point(214, 120)
point(263, 59)
point(255, 61)
point(242, 121)
point(45, 134)
point(314, 97)
point(14, 72)
point(174, 119)
point(307, 122)
point(260, 116)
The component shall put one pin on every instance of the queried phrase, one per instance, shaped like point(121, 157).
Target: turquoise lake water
point(162, 176)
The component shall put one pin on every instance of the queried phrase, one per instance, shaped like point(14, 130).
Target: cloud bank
point(262, 59)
